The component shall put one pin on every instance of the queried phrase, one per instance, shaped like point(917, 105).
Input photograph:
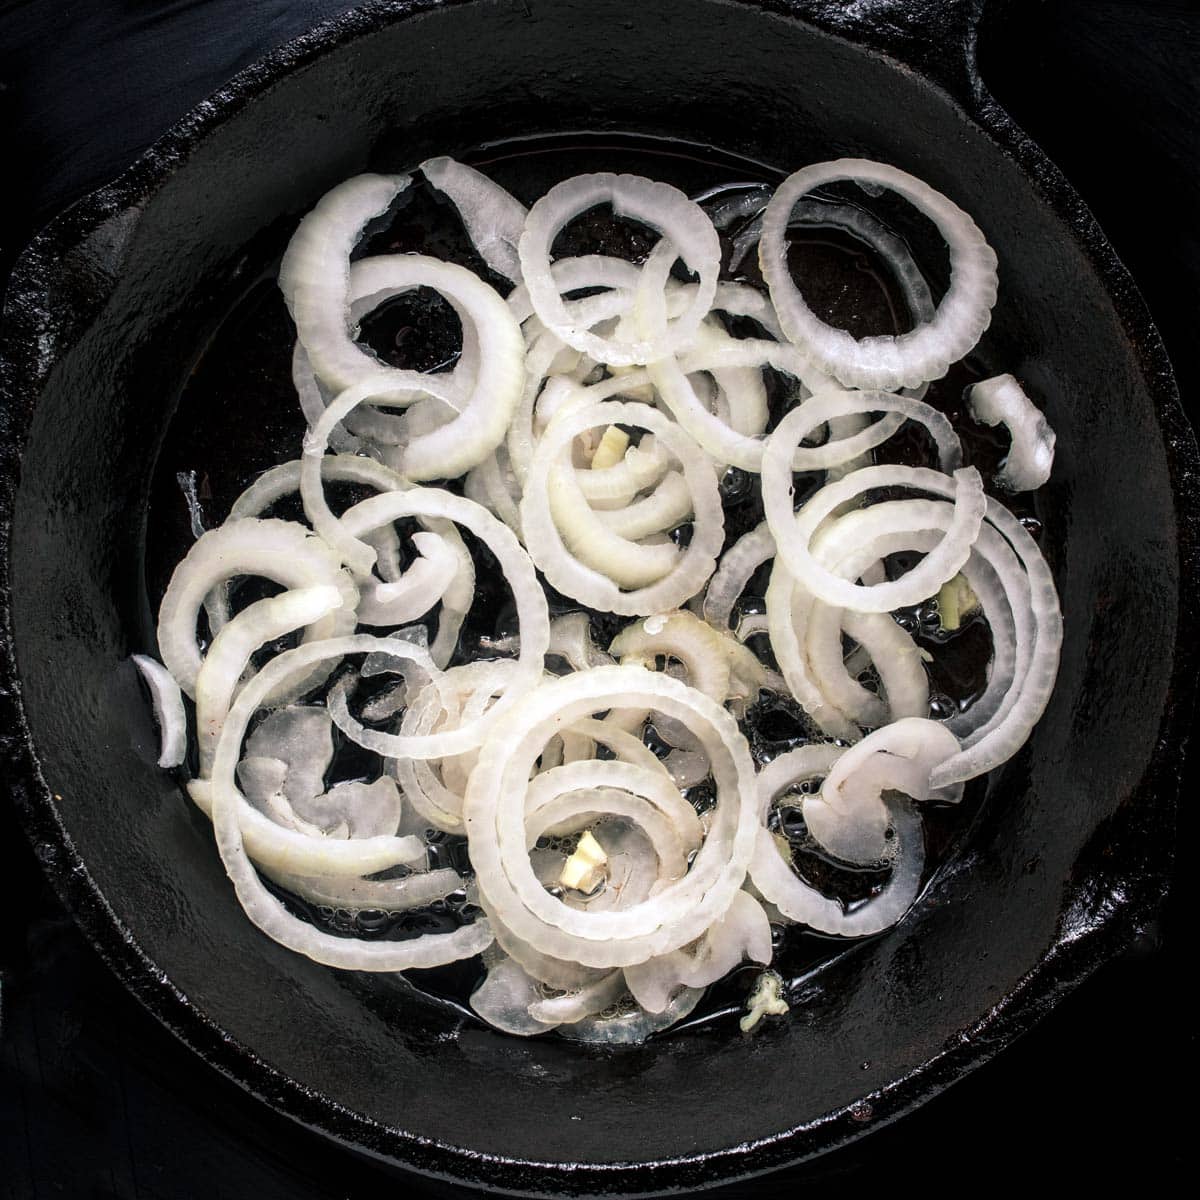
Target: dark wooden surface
point(97, 1100)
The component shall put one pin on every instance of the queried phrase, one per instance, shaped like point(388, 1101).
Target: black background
point(97, 1100)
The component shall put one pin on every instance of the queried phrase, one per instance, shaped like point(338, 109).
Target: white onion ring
point(494, 805)
point(278, 550)
point(658, 205)
point(887, 362)
point(795, 900)
point(794, 531)
point(565, 572)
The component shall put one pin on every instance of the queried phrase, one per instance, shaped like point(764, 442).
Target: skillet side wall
point(895, 1003)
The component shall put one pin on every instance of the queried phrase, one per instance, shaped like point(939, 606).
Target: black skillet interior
point(1071, 849)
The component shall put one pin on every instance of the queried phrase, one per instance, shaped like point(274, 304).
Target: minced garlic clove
point(765, 1001)
point(585, 869)
point(612, 448)
point(955, 600)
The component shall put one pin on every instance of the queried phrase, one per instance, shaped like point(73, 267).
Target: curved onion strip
point(435, 709)
point(575, 1006)
point(451, 449)
point(1002, 401)
point(830, 403)
point(548, 801)
point(793, 531)
point(884, 362)
point(493, 218)
point(570, 576)
point(387, 895)
point(314, 277)
point(658, 205)
point(281, 551)
point(229, 655)
point(796, 900)
point(744, 932)
point(632, 1028)
point(848, 816)
point(259, 905)
point(284, 480)
point(733, 573)
point(785, 626)
point(494, 814)
point(168, 710)
point(532, 616)
point(813, 213)
point(1020, 603)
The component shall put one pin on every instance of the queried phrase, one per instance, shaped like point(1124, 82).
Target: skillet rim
point(1078, 950)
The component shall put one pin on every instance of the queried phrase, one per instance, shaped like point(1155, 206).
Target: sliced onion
point(314, 277)
point(885, 361)
point(793, 531)
point(689, 568)
point(387, 895)
point(744, 932)
point(494, 814)
point(795, 900)
point(259, 905)
point(453, 448)
point(1002, 401)
point(658, 205)
point(278, 550)
point(737, 565)
point(493, 219)
point(867, 229)
point(229, 655)
point(168, 710)
point(848, 816)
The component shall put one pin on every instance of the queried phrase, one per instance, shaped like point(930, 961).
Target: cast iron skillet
point(108, 311)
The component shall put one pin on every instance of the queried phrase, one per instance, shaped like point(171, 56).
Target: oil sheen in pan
point(238, 415)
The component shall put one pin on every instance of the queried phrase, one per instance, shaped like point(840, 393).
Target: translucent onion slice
point(267, 913)
point(387, 895)
point(493, 219)
point(733, 573)
point(744, 932)
point(494, 808)
point(658, 205)
point(168, 710)
point(461, 694)
point(301, 737)
point(848, 816)
point(1002, 401)
point(282, 551)
point(284, 480)
point(621, 1026)
point(829, 403)
point(229, 655)
point(793, 532)
point(423, 585)
point(776, 880)
point(314, 277)
point(458, 445)
point(867, 229)
point(532, 616)
point(886, 361)
point(689, 568)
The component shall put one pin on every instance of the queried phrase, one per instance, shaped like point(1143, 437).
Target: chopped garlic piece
point(955, 601)
point(766, 1000)
point(586, 867)
point(611, 449)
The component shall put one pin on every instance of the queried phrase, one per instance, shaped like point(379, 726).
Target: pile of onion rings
point(623, 849)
